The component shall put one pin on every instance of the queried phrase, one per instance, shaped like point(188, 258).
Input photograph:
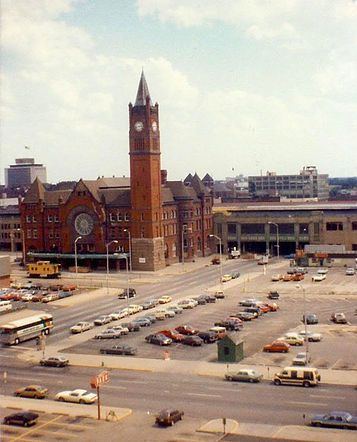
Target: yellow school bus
point(43, 269)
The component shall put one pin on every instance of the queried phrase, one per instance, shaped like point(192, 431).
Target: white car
point(350, 271)
point(109, 333)
point(103, 319)
point(27, 297)
point(167, 312)
point(118, 315)
point(311, 337)
point(276, 278)
point(82, 327)
point(160, 315)
point(322, 271)
point(78, 396)
point(301, 359)
point(165, 299)
point(226, 278)
point(292, 339)
point(119, 328)
point(194, 301)
point(318, 278)
point(135, 308)
point(185, 303)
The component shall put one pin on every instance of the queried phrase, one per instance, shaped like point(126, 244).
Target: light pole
point(75, 255)
point(107, 247)
point(127, 280)
point(220, 255)
point(129, 235)
point(298, 286)
point(277, 238)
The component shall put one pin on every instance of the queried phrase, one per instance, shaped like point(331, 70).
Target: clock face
point(154, 126)
point(139, 126)
point(84, 224)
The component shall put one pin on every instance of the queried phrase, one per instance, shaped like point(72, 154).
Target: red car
point(186, 330)
point(277, 347)
point(273, 307)
point(235, 319)
point(8, 296)
point(173, 334)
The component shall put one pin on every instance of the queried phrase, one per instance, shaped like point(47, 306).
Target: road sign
point(100, 379)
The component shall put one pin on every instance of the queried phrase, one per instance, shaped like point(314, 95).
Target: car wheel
point(306, 384)
point(229, 378)
point(251, 380)
point(61, 399)
point(17, 341)
point(82, 401)
point(277, 382)
point(26, 424)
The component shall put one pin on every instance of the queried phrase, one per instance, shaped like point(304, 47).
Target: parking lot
point(336, 294)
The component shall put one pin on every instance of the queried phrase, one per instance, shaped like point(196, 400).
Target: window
point(334, 226)
point(354, 225)
point(34, 220)
point(50, 235)
point(126, 217)
point(49, 218)
point(28, 218)
point(119, 217)
point(232, 229)
point(34, 233)
point(29, 233)
point(56, 219)
point(56, 235)
point(111, 217)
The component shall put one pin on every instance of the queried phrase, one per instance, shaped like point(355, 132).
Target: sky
point(244, 86)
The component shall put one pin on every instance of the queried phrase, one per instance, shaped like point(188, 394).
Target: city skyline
point(242, 88)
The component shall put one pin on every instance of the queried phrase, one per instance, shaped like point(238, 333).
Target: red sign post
point(96, 381)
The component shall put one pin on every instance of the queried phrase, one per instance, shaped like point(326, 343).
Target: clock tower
point(147, 248)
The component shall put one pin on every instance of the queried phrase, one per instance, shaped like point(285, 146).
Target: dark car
point(228, 324)
point(24, 418)
point(311, 318)
point(335, 419)
point(131, 326)
point(54, 361)
point(147, 305)
point(158, 339)
point(201, 300)
point(151, 318)
point(245, 316)
point(186, 330)
point(273, 294)
point(194, 341)
point(208, 337)
point(124, 295)
point(168, 417)
point(254, 310)
point(235, 275)
point(123, 349)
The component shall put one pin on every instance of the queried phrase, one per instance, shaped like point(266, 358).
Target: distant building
point(23, 173)
point(308, 184)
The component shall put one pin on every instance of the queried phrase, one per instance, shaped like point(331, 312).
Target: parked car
point(322, 271)
point(131, 326)
point(54, 361)
point(108, 334)
point(160, 315)
point(254, 310)
point(335, 419)
point(78, 396)
point(81, 326)
point(297, 277)
point(310, 336)
point(124, 293)
point(165, 299)
point(201, 300)
point(273, 294)
point(235, 275)
point(273, 306)
point(350, 271)
point(103, 319)
point(168, 417)
point(118, 315)
point(50, 297)
point(244, 375)
point(158, 339)
point(173, 334)
point(276, 278)
point(185, 304)
point(208, 337)
point(186, 330)
point(277, 347)
point(292, 339)
point(220, 331)
point(245, 316)
point(120, 328)
point(143, 322)
point(226, 278)
point(228, 324)
point(219, 294)
point(194, 341)
point(318, 278)
point(301, 359)
point(338, 318)
point(250, 302)
point(151, 318)
point(147, 305)
point(288, 277)
point(122, 349)
point(175, 308)
point(134, 308)
point(311, 318)
point(23, 418)
point(32, 391)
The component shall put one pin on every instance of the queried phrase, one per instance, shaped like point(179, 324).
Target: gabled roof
point(188, 179)
point(179, 190)
point(116, 197)
point(167, 196)
point(143, 92)
point(114, 182)
point(35, 193)
point(198, 185)
point(207, 177)
point(53, 197)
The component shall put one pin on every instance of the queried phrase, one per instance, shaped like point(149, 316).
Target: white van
point(5, 306)
point(305, 376)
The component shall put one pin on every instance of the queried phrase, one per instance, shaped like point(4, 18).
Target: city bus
point(23, 325)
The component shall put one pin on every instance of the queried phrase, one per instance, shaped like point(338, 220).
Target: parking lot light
point(300, 287)
point(107, 247)
point(220, 256)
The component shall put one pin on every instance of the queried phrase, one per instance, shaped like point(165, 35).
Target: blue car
point(335, 419)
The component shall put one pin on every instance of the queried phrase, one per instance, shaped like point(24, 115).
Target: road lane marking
point(115, 387)
point(203, 395)
point(320, 404)
point(327, 397)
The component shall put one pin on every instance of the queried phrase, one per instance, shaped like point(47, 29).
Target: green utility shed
point(230, 349)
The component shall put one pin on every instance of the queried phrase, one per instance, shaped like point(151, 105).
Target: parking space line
point(37, 428)
point(203, 395)
point(327, 397)
point(320, 404)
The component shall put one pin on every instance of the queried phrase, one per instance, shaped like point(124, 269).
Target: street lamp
point(185, 229)
point(107, 247)
point(298, 286)
point(75, 255)
point(277, 238)
point(220, 253)
point(127, 280)
point(129, 235)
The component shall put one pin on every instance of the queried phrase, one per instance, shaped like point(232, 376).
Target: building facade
point(155, 221)
point(285, 227)
point(23, 173)
point(308, 184)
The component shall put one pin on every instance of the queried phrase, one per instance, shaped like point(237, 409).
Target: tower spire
point(143, 91)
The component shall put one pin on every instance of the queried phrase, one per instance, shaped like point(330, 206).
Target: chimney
point(163, 177)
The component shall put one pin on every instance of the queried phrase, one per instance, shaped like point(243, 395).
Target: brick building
point(158, 221)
